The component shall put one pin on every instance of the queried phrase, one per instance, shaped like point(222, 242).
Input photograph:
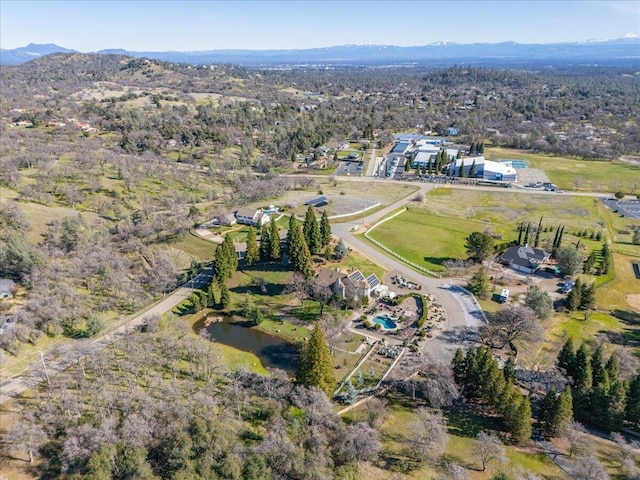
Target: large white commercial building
point(485, 169)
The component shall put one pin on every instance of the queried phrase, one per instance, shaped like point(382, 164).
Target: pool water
point(385, 321)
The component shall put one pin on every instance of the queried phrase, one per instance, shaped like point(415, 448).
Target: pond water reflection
point(272, 351)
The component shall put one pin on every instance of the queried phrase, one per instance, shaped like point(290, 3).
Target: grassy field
point(572, 174)
point(406, 234)
point(623, 289)
point(620, 230)
point(40, 216)
point(475, 210)
point(196, 247)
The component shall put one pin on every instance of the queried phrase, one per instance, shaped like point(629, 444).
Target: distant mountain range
point(624, 50)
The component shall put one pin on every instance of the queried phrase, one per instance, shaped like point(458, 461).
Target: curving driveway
point(463, 318)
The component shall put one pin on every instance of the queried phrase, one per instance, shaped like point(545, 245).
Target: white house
point(252, 216)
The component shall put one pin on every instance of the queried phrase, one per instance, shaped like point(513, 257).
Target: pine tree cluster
point(480, 378)
point(600, 396)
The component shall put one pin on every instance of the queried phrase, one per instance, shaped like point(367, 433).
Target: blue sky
point(206, 25)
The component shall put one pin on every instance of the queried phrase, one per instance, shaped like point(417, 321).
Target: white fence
point(398, 256)
point(353, 214)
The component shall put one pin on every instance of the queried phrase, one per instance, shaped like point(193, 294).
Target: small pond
point(272, 351)
point(386, 322)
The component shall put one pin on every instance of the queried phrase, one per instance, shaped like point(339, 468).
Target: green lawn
point(573, 174)
point(201, 249)
point(435, 230)
point(427, 239)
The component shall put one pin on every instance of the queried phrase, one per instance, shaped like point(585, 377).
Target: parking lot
point(626, 208)
point(349, 168)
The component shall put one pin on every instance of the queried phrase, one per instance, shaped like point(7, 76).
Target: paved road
point(56, 363)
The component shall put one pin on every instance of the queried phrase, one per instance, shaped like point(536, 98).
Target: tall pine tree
point(473, 170)
point(567, 358)
point(312, 232)
point(325, 229)
point(315, 367)
point(536, 242)
point(274, 241)
point(253, 253)
point(299, 255)
point(265, 244)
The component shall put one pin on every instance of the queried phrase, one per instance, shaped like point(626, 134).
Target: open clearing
point(40, 216)
point(590, 175)
point(426, 234)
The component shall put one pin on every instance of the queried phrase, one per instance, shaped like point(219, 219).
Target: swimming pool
point(386, 322)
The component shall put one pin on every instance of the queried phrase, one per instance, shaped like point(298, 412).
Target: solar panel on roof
point(356, 276)
point(373, 281)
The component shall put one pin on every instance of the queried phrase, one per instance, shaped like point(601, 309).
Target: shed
point(318, 202)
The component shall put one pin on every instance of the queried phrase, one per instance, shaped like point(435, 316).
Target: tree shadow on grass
point(627, 316)
point(437, 260)
point(306, 313)
point(265, 267)
point(270, 289)
point(182, 310)
point(469, 424)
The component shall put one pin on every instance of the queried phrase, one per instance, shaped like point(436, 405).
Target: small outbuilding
point(318, 202)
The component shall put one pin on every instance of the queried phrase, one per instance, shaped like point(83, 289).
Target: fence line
point(397, 255)
point(343, 215)
point(358, 364)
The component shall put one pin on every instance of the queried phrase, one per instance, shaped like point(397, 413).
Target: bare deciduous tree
point(455, 471)
point(588, 467)
point(579, 441)
point(514, 322)
point(488, 447)
point(26, 434)
point(427, 435)
point(375, 410)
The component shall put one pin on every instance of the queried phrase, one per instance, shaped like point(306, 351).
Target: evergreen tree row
point(269, 243)
point(600, 396)
point(476, 148)
point(480, 378)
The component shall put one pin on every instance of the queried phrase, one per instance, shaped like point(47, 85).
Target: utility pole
point(44, 365)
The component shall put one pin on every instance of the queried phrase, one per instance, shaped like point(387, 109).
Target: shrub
point(425, 312)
